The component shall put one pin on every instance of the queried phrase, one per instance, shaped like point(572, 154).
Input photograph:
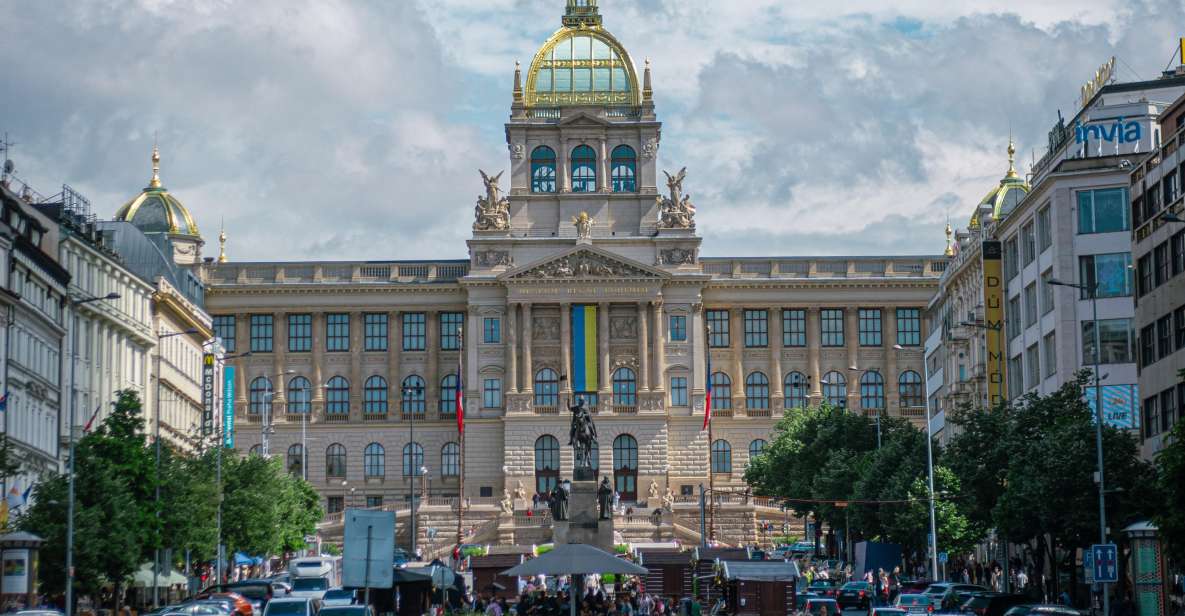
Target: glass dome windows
point(581, 68)
point(543, 79)
point(582, 80)
point(601, 51)
point(621, 82)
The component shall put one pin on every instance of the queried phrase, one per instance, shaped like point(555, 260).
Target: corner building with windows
point(584, 279)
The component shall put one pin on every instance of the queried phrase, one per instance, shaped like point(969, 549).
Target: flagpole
point(708, 420)
point(460, 402)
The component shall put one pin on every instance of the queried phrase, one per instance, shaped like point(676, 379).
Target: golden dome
point(1005, 196)
point(154, 210)
point(582, 64)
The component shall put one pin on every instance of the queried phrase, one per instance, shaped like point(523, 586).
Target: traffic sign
point(942, 557)
point(1106, 562)
point(1088, 566)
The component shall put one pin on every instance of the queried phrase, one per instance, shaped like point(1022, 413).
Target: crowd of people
point(628, 599)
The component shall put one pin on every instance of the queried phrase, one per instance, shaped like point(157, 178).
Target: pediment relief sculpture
point(676, 256)
point(584, 265)
point(623, 327)
point(545, 328)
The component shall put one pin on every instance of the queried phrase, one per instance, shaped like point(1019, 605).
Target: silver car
point(292, 606)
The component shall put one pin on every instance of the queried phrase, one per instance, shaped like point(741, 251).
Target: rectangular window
point(1164, 336)
point(869, 320)
point(909, 326)
point(1151, 417)
point(831, 326)
point(1050, 354)
point(375, 326)
point(1028, 242)
point(300, 333)
point(1160, 264)
point(678, 391)
point(491, 393)
point(794, 328)
point(1179, 318)
point(1015, 377)
point(335, 504)
point(261, 333)
point(756, 329)
point(1148, 345)
point(337, 332)
point(450, 330)
point(1031, 305)
point(1112, 272)
point(1046, 292)
point(491, 330)
point(1011, 259)
point(1033, 367)
point(224, 329)
point(1044, 229)
point(1144, 274)
point(413, 331)
point(717, 328)
point(1177, 252)
point(374, 502)
point(677, 326)
point(1013, 317)
point(1168, 410)
point(1115, 336)
point(1103, 211)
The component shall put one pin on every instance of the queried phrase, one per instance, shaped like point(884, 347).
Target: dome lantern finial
point(582, 13)
point(950, 252)
point(222, 243)
point(155, 181)
point(1011, 158)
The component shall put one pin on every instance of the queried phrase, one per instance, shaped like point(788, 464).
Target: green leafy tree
point(189, 495)
point(265, 509)
point(1170, 515)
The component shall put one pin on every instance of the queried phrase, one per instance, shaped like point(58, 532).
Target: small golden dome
point(154, 210)
point(581, 64)
point(1005, 196)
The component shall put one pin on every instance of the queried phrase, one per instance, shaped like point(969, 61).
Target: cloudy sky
point(330, 129)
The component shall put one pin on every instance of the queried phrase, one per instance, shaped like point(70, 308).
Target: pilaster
point(512, 348)
point(775, 355)
point(813, 341)
point(644, 358)
point(660, 358)
point(528, 366)
point(566, 346)
point(603, 379)
point(736, 335)
point(851, 332)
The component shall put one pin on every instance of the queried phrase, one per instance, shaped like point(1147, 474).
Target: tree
point(265, 509)
point(1170, 515)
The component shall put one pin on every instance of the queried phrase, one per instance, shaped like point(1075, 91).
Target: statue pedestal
point(584, 524)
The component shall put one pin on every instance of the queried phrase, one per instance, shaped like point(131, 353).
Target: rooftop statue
point(676, 211)
point(492, 212)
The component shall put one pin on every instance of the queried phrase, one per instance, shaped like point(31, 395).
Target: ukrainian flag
point(584, 348)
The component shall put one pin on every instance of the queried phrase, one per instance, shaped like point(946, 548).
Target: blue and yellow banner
point(584, 348)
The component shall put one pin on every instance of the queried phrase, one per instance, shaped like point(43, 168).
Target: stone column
point(851, 332)
point(660, 348)
point(528, 372)
point(394, 348)
point(565, 171)
point(431, 367)
point(603, 377)
point(279, 345)
point(357, 379)
point(643, 349)
point(892, 396)
point(566, 347)
point(512, 348)
point(318, 357)
point(736, 334)
point(813, 341)
point(775, 354)
point(603, 181)
point(695, 346)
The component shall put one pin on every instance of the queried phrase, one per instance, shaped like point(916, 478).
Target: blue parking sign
point(1106, 562)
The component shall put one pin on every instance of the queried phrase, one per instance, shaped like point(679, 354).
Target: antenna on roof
point(5, 145)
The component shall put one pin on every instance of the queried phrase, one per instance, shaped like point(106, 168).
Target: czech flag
point(460, 395)
point(707, 388)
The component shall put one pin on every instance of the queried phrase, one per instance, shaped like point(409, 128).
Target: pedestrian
point(1022, 580)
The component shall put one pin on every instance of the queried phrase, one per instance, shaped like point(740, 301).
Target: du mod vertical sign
point(228, 406)
point(993, 317)
point(207, 394)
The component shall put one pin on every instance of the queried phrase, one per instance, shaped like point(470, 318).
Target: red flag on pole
point(460, 395)
point(87, 428)
point(707, 386)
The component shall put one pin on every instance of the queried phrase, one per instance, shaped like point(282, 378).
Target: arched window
point(757, 391)
point(624, 165)
point(910, 386)
point(547, 463)
point(756, 448)
point(261, 396)
point(413, 459)
point(835, 389)
point(872, 390)
point(625, 387)
point(296, 460)
point(796, 391)
point(721, 457)
point(337, 396)
point(413, 395)
point(374, 396)
point(374, 459)
point(335, 460)
point(543, 170)
point(255, 450)
point(584, 170)
point(448, 395)
point(721, 391)
point(547, 388)
point(625, 467)
point(300, 392)
point(450, 460)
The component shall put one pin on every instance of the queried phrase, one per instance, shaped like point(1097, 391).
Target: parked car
point(800, 599)
point(241, 606)
point(336, 597)
point(914, 603)
point(198, 608)
point(309, 587)
point(914, 587)
point(347, 610)
point(823, 588)
point(292, 606)
point(887, 611)
point(855, 595)
point(945, 595)
point(815, 606)
point(258, 592)
point(1047, 609)
point(991, 603)
point(280, 589)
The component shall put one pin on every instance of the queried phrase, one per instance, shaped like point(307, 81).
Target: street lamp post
point(1098, 408)
point(160, 337)
point(74, 303)
point(268, 429)
point(407, 391)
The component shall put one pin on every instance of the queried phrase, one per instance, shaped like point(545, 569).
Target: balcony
point(913, 411)
point(337, 417)
point(546, 409)
point(254, 418)
point(296, 417)
point(759, 413)
point(625, 409)
point(374, 417)
point(413, 415)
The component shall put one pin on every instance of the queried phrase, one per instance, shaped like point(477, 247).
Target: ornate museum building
point(584, 279)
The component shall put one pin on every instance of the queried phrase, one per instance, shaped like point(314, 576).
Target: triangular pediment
point(584, 262)
point(583, 118)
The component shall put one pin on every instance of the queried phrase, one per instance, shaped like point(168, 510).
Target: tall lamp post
point(407, 392)
point(160, 337)
point(1092, 290)
point(74, 303)
point(268, 429)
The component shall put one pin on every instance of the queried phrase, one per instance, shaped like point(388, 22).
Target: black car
point(258, 592)
point(823, 588)
point(855, 595)
point(991, 603)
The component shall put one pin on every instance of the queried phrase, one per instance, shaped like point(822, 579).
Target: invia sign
point(1119, 130)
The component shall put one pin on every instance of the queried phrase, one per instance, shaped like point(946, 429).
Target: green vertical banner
point(228, 406)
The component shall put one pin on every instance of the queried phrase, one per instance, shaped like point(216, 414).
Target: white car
point(337, 597)
point(289, 606)
point(309, 588)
